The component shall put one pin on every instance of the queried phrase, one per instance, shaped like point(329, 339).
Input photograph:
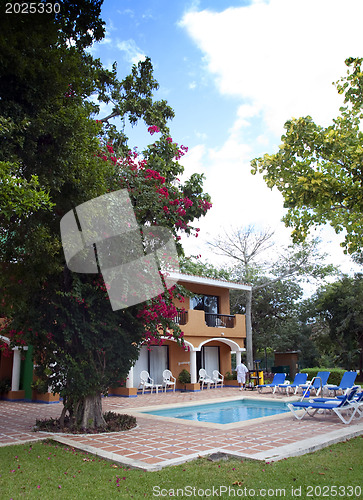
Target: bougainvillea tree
point(81, 346)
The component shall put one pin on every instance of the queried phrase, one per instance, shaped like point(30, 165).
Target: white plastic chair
point(168, 380)
point(218, 378)
point(146, 382)
point(204, 378)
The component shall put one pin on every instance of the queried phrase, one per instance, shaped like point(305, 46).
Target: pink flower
point(153, 129)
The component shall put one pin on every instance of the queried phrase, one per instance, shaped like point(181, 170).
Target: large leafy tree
point(250, 251)
point(340, 306)
point(55, 146)
point(278, 322)
point(318, 169)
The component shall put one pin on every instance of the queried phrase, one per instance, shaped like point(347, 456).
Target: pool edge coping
point(140, 413)
point(303, 447)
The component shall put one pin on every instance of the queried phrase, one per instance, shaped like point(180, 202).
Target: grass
point(47, 470)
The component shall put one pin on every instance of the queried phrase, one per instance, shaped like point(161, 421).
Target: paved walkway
point(154, 443)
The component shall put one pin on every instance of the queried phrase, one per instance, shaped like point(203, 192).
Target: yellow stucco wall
point(196, 331)
point(221, 293)
point(179, 359)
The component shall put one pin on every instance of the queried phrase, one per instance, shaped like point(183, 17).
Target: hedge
point(334, 377)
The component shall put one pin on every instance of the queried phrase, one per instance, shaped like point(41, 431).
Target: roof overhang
point(200, 280)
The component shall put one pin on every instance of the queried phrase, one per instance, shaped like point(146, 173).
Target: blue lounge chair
point(355, 398)
point(353, 395)
point(316, 384)
point(346, 383)
point(338, 406)
point(359, 402)
point(300, 379)
point(279, 378)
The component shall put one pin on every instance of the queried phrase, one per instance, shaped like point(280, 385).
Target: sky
point(235, 71)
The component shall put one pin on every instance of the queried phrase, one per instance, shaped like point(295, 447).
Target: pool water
point(227, 412)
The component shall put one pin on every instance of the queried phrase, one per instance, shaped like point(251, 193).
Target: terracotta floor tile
point(152, 444)
point(154, 460)
point(170, 456)
point(136, 456)
point(262, 448)
point(111, 448)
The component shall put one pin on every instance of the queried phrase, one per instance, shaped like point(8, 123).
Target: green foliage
point(192, 265)
point(334, 377)
point(20, 197)
point(184, 377)
point(40, 386)
point(48, 470)
point(132, 98)
point(278, 321)
point(5, 385)
point(231, 376)
point(50, 162)
point(339, 307)
point(318, 169)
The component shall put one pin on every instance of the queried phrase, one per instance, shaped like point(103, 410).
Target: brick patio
point(156, 443)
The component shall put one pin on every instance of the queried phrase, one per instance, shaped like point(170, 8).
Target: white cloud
point(239, 199)
point(278, 58)
point(281, 57)
point(133, 53)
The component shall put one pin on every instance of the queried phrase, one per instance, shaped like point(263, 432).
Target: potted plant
point(184, 378)
point(5, 386)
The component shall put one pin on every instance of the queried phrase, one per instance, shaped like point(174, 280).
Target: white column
point(193, 367)
point(130, 378)
point(238, 357)
point(15, 377)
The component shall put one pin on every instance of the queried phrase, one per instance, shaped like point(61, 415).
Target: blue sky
point(234, 71)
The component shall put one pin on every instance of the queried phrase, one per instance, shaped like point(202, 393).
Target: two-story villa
point(210, 332)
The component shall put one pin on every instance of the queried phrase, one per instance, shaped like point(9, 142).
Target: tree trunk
point(249, 331)
point(89, 413)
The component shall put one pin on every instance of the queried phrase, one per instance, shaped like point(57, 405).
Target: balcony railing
point(220, 320)
point(181, 318)
point(212, 320)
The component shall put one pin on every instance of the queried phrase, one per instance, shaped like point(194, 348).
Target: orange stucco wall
point(179, 359)
point(221, 293)
point(197, 333)
point(196, 330)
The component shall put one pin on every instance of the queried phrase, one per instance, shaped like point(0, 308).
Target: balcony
point(211, 320)
point(220, 320)
point(181, 318)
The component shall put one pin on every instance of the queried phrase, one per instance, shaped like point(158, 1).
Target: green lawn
point(47, 470)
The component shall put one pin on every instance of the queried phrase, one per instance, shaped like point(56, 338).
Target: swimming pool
point(227, 412)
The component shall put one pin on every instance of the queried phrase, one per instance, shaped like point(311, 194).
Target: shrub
point(5, 385)
point(184, 377)
point(231, 376)
point(334, 377)
point(40, 386)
